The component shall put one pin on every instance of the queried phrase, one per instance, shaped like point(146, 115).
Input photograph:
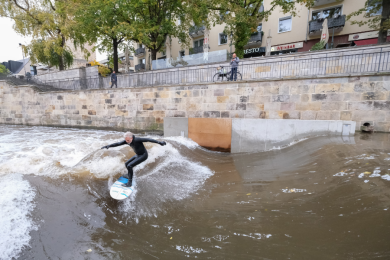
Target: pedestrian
point(234, 64)
point(113, 79)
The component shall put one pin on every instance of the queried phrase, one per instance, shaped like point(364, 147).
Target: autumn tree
point(49, 24)
point(377, 14)
point(242, 17)
point(98, 21)
point(150, 22)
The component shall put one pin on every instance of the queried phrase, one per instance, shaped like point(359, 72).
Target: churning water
point(322, 198)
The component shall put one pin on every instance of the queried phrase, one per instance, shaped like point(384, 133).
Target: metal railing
point(330, 64)
point(316, 25)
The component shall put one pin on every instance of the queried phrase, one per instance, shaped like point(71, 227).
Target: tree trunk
point(385, 16)
point(115, 47)
point(61, 61)
point(154, 55)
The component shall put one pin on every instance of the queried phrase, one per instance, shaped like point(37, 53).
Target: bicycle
point(223, 72)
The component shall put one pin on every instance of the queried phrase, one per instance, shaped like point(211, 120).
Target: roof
point(24, 62)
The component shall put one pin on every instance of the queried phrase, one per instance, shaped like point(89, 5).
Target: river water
point(321, 198)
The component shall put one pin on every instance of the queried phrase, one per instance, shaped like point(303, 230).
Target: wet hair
point(128, 134)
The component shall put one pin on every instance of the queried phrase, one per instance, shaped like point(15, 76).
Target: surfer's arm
point(150, 140)
point(114, 144)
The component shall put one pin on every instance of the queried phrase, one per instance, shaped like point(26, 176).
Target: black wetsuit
point(141, 154)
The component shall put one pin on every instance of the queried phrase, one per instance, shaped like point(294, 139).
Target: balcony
point(196, 50)
point(255, 39)
point(139, 52)
point(196, 31)
point(325, 2)
point(315, 27)
point(140, 67)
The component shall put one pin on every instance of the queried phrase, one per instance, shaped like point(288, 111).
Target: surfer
point(141, 154)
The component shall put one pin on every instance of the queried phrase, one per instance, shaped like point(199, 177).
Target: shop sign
point(254, 50)
point(287, 46)
point(362, 36)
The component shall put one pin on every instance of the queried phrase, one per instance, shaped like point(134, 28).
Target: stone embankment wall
point(360, 99)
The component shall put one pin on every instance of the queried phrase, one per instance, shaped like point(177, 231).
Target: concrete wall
point(359, 99)
point(253, 135)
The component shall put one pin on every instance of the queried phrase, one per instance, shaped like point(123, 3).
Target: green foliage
point(104, 71)
point(375, 18)
point(99, 21)
point(49, 23)
point(3, 69)
point(150, 22)
point(318, 46)
point(47, 52)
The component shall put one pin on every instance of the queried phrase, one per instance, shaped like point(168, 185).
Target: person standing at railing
point(114, 79)
point(234, 65)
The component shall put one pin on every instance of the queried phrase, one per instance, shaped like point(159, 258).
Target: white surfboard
point(119, 192)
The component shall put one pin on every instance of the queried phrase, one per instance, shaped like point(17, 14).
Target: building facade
point(288, 33)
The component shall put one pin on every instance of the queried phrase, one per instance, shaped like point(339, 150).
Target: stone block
point(328, 97)
point(287, 106)
point(273, 90)
point(284, 90)
point(272, 106)
point(222, 99)
point(347, 87)
point(305, 98)
point(259, 99)
point(346, 115)
point(327, 88)
point(195, 114)
point(381, 105)
point(211, 114)
point(92, 112)
point(147, 107)
point(328, 115)
point(280, 98)
point(193, 106)
point(225, 114)
point(219, 92)
point(362, 105)
point(243, 99)
point(162, 94)
point(308, 106)
point(183, 93)
point(119, 112)
point(255, 114)
point(360, 115)
point(302, 89)
point(254, 106)
point(352, 97)
point(274, 114)
point(237, 114)
point(382, 127)
point(333, 105)
point(374, 96)
point(230, 92)
point(308, 115)
point(176, 114)
point(364, 87)
point(84, 117)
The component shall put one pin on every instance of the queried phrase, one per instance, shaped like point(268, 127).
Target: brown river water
point(321, 198)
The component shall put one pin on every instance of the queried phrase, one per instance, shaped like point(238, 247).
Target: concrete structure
point(20, 67)
point(253, 135)
point(299, 33)
point(348, 98)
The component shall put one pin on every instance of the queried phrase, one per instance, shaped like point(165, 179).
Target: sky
point(9, 44)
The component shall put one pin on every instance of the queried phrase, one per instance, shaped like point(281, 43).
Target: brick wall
point(361, 99)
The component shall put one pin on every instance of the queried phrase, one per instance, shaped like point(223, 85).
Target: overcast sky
point(9, 43)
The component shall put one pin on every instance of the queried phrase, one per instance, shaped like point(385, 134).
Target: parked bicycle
point(223, 72)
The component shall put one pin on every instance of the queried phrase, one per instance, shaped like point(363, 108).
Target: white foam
point(340, 174)
point(386, 177)
point(183, 141)
point(16, 204)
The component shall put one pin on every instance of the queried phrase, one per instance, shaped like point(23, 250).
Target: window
point(141, 61)
point(259, 28)
point(181, 54)
point(285, 24)
point(198, 43)
point(374, 8)
point(222, 38)
point(333, 12)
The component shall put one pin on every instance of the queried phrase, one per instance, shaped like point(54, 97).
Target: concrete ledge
point(255, 135)
point(174, 126)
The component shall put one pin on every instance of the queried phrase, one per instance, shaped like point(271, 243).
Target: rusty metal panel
point(212, 133)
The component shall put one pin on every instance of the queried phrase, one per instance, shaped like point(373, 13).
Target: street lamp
point(23, 59)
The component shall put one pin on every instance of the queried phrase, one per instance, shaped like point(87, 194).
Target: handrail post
point(380, 58)
point(326, 60)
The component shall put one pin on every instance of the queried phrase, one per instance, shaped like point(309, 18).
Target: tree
point(48, 22)
point(3, 69)
point(242, 17)
point(98, 21)
point(150, 22)
point(377, 13)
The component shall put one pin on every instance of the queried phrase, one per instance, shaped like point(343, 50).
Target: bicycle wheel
point(217, 77)
point(239, 76)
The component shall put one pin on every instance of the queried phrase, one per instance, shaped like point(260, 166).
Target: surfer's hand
point(162, 143)
point(105, 147)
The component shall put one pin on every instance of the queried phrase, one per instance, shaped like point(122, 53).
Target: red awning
point(366, 42)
